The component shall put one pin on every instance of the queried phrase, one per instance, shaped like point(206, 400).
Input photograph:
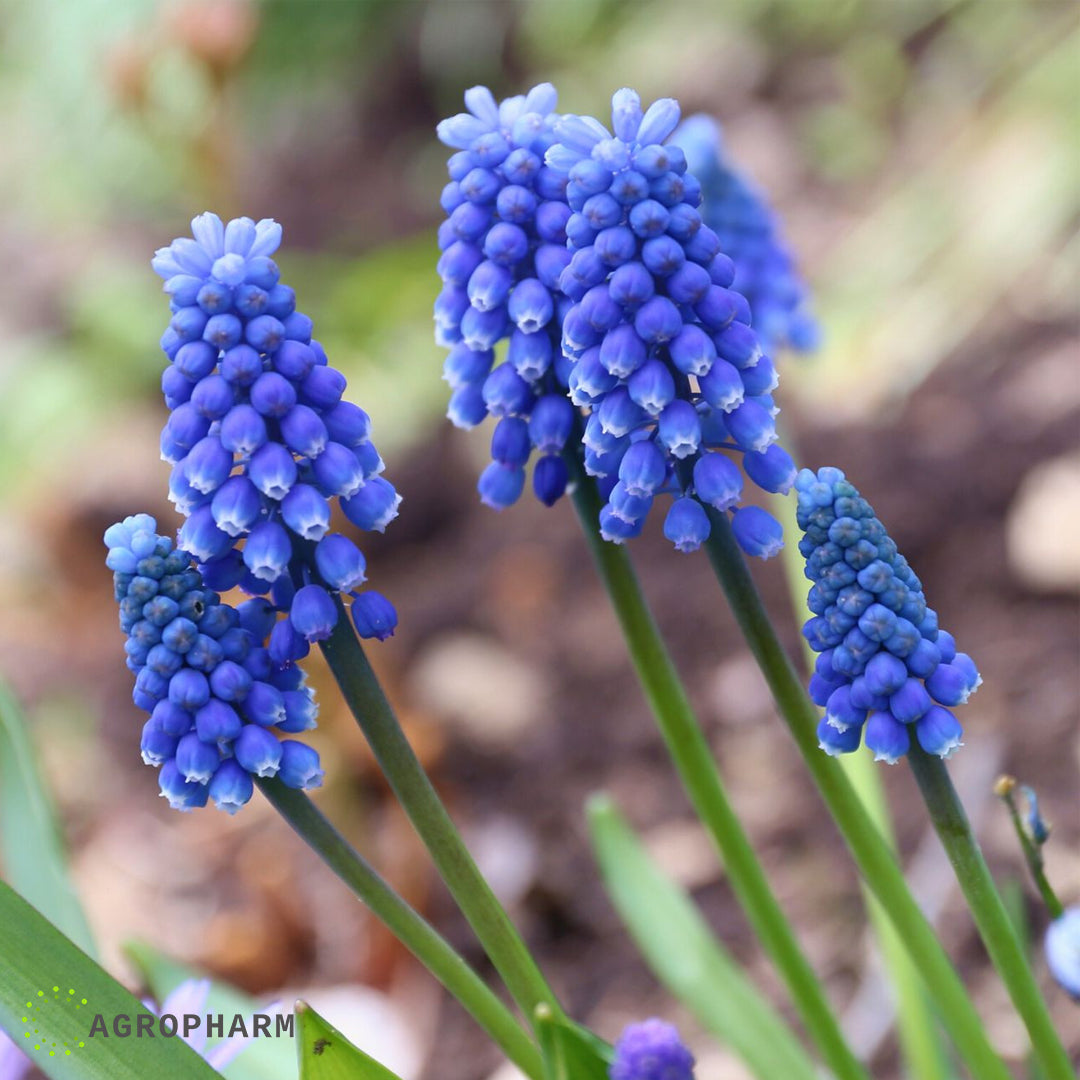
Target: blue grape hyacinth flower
point(218, 692)
point(886, 673)
point(503, 247)
point(1063, 950)
point(751, 234)
point(662, 354)
point(261, 440)
point(651, 1050)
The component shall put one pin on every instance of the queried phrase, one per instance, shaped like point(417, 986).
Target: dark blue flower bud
point(236, 507)
point(550, 478)
point(264, 704)
point(216, 722)
point(686, 524)
point(267, 551)
point(510, 443)
point(500, 485)
point(181, 794)
point(231, 786)
point(273, 470)
point(550, 423)
point(313, 613)
point(264, 333)
point(340, 562)
point(749, 424)
point(374, 506)
point(299, 766)
point(643, 469)
point(257, 751)
point(757, 532)
point(939, 732)
point(272, 394)
point(717, 481)
point(505, 392)
point(771, 469)
point(651, 1050)
point(886, 737)
point(374, 616)
point(241, 366)
point(300, 710)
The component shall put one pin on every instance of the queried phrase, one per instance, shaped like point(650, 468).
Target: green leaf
point(325, 1054)
point(31, 845)
point(261, 1059)
point(53, 991)
point(686, 956)
point(571, 1052)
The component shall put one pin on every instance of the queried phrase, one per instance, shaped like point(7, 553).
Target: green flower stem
point(876, 862)
point(432, 950)
point(995, 927)
point(497, 934)
point(694, 761)
point(1005, 789)
point(917, 1029)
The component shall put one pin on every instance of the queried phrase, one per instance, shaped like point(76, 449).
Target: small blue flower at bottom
point(651, 1050)
point(1063, 950)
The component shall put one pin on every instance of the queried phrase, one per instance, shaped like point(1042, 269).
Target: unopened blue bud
point(231, 786)
point(643, 469)
point(686, 524)
point(257, 750)
point(771, 469)
point(306, 512)
point(215, 722)
point(757, 532)
point(272, 394)
point(313, 613)
point(510, 443)
point(301, 710)
point(500, 485)
point(299, 766)
point(267, 551)
point(374, 616)
point(264, 704)
point(196, 760)
point(550, 478)
point(273, 470)
point(887, 737)
point(340, 562)
point(652, 387)
point(374, 506)
point(180, 793)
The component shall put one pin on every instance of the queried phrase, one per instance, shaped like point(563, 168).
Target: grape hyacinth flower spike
point(663, 357)
point(885, 669)
point(651, 1050)
point(261, 440)
point(217, 698)
point(750, 233)
point(503, 247)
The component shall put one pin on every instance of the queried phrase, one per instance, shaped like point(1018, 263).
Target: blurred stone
point(490, 695)
point(684, 852)
point(1043, 524)
point(507, 854)
point(737, 691)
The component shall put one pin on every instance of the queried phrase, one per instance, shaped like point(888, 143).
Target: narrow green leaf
point(52, 991)
point(325, 1054)
point(31, 846)
point(571, 1052)
point(686, 956)
point(261, 1059)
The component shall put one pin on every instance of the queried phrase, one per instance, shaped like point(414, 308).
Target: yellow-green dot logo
point(44, 1015)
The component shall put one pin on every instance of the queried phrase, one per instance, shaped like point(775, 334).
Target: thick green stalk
point(697, 769)
point(875, 861)
point(995, 927)
point(405, 774)
point(411, 929)
point(920, 1042)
